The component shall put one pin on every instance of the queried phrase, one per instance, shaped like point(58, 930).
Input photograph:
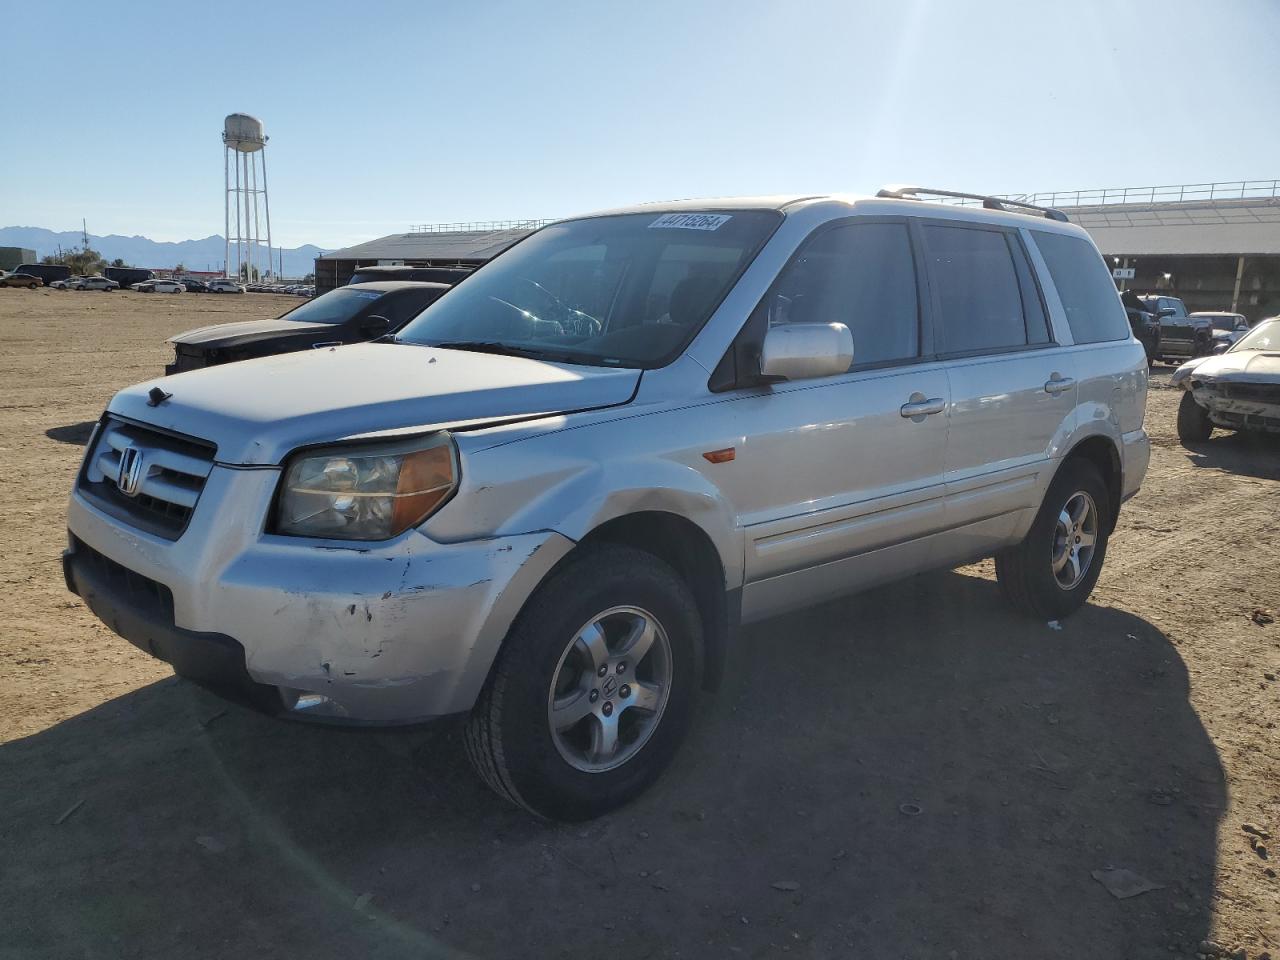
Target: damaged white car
point(1236, 390)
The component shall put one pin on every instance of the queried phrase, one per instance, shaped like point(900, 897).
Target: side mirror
point(1165, 312)
point(375, 325)
point(1221, 348)
point(801, 351)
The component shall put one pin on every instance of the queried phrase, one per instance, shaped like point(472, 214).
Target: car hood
point(258, 411)
point(1259, 366)
point(223, 335)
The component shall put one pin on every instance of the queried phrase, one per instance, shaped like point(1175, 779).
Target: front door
point(840, 475)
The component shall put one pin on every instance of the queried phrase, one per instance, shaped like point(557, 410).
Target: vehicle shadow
point(75, 433)
point(1244, 453)
point(913, 772)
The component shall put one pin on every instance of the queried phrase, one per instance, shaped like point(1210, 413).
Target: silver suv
point(551, 501)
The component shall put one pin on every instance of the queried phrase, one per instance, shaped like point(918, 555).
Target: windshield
point(628, 290)
point(336, 306)
point(1224, 323)
point(1265, 336)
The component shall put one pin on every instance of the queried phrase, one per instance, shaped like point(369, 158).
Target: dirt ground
point(914, 772)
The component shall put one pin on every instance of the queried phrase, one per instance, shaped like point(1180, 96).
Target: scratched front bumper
point(383, 633)
point(1241, 405)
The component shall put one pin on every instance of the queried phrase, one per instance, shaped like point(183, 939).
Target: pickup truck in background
point(1144, 323)
point(1182, 336)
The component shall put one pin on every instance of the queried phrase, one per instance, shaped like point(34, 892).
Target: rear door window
point(1085, 287)
point(982, 289)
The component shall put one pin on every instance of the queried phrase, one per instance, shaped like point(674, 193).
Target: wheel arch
point(690, 551)
point(1103, 453)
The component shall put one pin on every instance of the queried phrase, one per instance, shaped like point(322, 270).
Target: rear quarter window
point(1088, 294)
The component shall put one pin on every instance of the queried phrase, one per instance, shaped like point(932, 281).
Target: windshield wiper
point(487, 346)
point(512, 350)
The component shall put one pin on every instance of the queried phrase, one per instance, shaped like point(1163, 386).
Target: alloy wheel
point(609, 689)
point(1075, 538)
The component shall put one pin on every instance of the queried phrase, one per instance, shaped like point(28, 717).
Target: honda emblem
point(129, 477)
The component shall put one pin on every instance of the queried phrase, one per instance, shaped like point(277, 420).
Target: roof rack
point(902, 192)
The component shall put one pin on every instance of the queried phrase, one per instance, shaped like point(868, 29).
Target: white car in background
point(1236, 390)
point(158, 286)
point(225, 285)
point(95, 283)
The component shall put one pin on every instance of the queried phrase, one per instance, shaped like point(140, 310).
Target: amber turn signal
point(426, 477)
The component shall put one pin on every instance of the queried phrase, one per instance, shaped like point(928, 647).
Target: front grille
point(1246, 421)
point(143, 593)
point(1257, 392)
point(173, 473)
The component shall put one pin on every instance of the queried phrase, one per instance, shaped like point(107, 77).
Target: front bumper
point(141, 611)
point(375, 633)
point(185, 359)
point(1240, 404)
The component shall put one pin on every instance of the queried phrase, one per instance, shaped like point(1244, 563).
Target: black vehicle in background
point(48, 272)
point(449, 275)
point(128, 276)
point(1145, 324)
point(349, 314)
point(193, 285)
point(1183, 336)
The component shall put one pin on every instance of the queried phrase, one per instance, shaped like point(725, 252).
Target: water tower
point(244, 148)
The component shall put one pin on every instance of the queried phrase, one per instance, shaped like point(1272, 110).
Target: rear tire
point(1035, 576)
point(562, 770)
point(1194, 425)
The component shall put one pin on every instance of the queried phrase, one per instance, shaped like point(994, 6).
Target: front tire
point(1194, 425)
point(594, 688)
point(1050, 574)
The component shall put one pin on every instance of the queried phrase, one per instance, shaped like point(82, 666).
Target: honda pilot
point(549, 502)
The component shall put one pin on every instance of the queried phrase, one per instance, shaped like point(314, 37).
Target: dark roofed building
point(434, 245)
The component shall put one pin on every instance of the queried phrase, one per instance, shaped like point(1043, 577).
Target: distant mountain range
point(203, 254)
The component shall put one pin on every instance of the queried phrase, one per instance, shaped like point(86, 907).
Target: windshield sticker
point(691, 221)
point(367, 294)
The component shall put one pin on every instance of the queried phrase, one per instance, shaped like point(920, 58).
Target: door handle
point(1056, 384)
point(920, 407)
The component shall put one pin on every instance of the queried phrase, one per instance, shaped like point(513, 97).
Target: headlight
point(366, 493)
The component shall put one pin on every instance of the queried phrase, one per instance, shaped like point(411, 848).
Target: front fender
point(1183, 373)
point(624, 487)
point(529, 486)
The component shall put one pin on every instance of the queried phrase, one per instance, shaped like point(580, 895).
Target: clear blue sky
point(386, 114)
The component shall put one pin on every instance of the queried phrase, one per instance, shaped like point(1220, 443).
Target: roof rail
point(902, 192)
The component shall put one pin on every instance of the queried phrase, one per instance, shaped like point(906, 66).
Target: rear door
point(1110, 372)
point(840, 480)
point(1012, 389)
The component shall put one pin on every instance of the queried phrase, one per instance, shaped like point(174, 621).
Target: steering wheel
point(527, 317)
point(573, 320)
